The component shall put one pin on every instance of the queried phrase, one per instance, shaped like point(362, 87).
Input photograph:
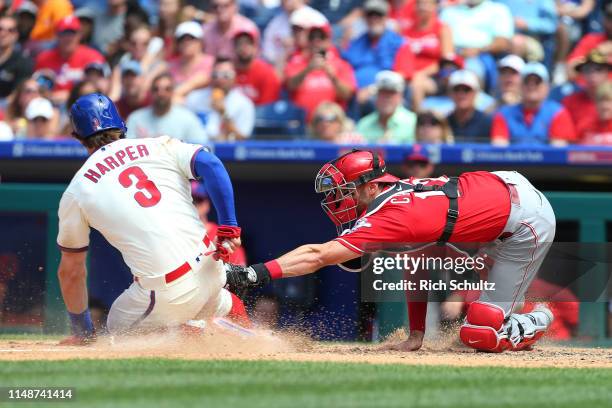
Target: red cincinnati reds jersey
point(409, 217)
point(68, 71)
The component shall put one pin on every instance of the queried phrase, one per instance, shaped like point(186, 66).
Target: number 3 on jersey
point(127, 177)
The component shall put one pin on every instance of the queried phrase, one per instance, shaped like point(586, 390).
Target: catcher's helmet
point(339, 179)
point(94, 113)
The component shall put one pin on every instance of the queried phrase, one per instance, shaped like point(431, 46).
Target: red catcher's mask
point(338, 181)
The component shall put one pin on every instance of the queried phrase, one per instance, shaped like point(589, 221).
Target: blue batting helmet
point(94, 113)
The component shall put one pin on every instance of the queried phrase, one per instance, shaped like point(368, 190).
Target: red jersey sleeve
point(562, 127)
point(405, 61)
point(499, 128)
point(381, 227)
point(270, 91)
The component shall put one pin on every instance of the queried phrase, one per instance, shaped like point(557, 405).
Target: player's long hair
point(102, 139)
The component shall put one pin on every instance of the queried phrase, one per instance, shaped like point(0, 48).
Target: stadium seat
point(279, 120)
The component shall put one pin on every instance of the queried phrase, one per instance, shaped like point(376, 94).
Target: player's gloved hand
point(241, 279)
point(228, 238)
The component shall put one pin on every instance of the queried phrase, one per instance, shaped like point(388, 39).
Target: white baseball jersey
point(137, 194)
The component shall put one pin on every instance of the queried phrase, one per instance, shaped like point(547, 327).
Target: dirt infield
point(294, 348)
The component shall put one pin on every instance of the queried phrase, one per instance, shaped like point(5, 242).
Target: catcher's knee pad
point(483, 328)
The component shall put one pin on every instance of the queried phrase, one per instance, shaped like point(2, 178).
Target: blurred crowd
point(342, 71)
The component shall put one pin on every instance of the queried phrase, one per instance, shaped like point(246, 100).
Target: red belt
point(181, 270)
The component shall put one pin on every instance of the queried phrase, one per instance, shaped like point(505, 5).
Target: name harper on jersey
point(116, 160)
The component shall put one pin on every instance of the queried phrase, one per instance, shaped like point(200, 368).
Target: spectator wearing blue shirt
point(468, 124)
point(535, 23)
point(536, 120)
point(374, 51)
point(481, 29)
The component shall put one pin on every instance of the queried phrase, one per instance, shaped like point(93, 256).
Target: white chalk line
point(52, 350)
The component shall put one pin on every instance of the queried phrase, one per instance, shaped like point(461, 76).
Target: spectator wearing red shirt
point(219, 34)
point(536, 120)
point(318, 74)
point(592, 41)
point(191, 67)
point(256, 78)
point(132, 98)
point(599, 130)
point(68, 58)
point(594, 70)
point(402, 14)
point(428, 41)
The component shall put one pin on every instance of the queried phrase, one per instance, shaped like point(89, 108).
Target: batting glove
point(225, 233)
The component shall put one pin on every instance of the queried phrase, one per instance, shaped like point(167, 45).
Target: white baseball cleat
point(193, 327)
point(525, 329)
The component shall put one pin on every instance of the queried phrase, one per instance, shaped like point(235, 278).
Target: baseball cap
point(27, 7)
point(39, 107)
point(594, 57)
point(378, 6)
point(307, 17)
point(537, 69)
point(189, 28)
point(132, 66)
point(321, 26)
point(389, 80)
point(250, 31)
point(512, 61)
point(464, 77)
point(68, 23)
point(101, 67)
point(417, 154)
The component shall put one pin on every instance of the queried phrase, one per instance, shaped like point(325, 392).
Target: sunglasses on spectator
point(40, 119)
point(30, 90)
point(223, 75)
point(139, 43)
point(428, 122)
point(186, 37)
point(8, 29)
point(536, 79)
point(462, 88)
point(316, 35)
point(370, 14)
point(162, 89)
point(591, 68)
point(330, 117)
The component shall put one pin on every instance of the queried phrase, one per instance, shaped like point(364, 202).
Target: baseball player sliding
point(369, 205)
point(137, 193)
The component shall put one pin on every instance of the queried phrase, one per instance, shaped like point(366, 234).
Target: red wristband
point(274, 268)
